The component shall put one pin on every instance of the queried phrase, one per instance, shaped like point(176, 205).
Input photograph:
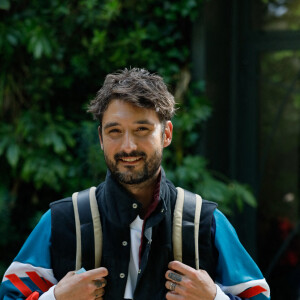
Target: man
point(136, 204)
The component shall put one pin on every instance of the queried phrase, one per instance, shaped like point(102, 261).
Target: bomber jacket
point(44, 259)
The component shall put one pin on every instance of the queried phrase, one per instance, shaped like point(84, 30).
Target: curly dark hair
point(136, 86)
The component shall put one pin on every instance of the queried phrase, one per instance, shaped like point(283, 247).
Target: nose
point(128, 143)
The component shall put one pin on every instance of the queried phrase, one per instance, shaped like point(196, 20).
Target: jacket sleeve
point(237, 274)
point(30, 274)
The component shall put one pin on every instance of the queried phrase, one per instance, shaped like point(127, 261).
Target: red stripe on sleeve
point(251, 292)
point(19, 284)
point(48, 282)
point(33, 296)
point(39, 282)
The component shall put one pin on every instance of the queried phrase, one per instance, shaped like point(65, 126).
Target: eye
point(114, 132)
point(142, 129)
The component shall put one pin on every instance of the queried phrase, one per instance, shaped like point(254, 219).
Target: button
point(134, 205)
point(122, 275)
point(124, 243)
point(139, 271)
point(162, 210)
point(149, 242)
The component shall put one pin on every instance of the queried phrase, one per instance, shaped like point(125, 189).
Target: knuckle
point(90, 288)
point(83, 276)
point(194, 274)
point(185, 294)
point(188, 284)
point(203, 272)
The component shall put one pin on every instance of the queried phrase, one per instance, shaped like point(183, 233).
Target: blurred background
point(234, 68)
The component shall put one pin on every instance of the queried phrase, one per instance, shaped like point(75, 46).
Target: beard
point(133, 176)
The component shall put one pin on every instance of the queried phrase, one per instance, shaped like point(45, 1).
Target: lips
point(130, 159)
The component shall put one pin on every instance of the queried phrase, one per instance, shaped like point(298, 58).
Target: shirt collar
point(120, 206)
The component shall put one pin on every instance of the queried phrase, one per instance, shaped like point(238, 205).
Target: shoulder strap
point(86, 212)
point(186, 215)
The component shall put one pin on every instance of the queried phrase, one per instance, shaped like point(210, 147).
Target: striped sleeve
point(237, 273)
point(30, 274)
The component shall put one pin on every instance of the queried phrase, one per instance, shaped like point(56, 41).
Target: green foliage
point(186, 168)
point(35, 155)
point(54, 55)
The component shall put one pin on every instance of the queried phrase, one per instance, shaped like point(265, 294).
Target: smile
point(130, 159)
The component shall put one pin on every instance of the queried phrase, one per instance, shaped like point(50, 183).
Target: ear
point(168, 133)
point(100, 136)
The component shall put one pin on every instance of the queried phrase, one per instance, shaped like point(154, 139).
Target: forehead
point(122, 111)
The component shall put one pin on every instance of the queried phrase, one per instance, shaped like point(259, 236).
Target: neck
point(144, 191)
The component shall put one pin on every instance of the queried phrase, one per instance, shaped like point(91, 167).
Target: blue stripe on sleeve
point(36, 249)
point(234, 263)
point(260, 297)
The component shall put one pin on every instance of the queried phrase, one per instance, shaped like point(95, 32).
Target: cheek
point(156, 142)
point(109, 146)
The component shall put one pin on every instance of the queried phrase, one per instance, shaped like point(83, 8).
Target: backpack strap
point(86, 212)
point(186, 222)
point(186, 217)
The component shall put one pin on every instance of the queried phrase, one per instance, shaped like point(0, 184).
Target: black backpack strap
point(186, 222)
point(88, 227)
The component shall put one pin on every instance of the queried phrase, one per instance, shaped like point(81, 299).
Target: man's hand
point(185, 282)
point(84, 286)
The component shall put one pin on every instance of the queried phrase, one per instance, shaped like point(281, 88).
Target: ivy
point(55, 55)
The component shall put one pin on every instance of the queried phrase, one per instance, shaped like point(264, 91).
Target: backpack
point(186, 214)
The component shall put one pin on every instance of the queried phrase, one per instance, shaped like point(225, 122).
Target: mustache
point(131, 154)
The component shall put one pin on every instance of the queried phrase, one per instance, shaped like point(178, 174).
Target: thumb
point(96, 273)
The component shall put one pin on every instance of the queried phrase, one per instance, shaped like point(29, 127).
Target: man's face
point(133, 139)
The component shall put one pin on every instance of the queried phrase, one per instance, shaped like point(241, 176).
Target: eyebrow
point(112, 124)
point(144, 122)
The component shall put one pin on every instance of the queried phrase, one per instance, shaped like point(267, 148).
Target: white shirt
point(136, 228)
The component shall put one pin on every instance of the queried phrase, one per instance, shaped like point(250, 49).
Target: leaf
point(12, 39)
point(12, 154)
point(38, 49)
point(3, 144)
point(243, 195)
point(249, 198)
point(59, 146)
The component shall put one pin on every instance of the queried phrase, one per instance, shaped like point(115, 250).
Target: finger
point(95, 273)
point(173, 287)
point(170, 275)
point(100, 282)
point(99, 293)
point(175, 290)
point(173, 296)
point(180, 267)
